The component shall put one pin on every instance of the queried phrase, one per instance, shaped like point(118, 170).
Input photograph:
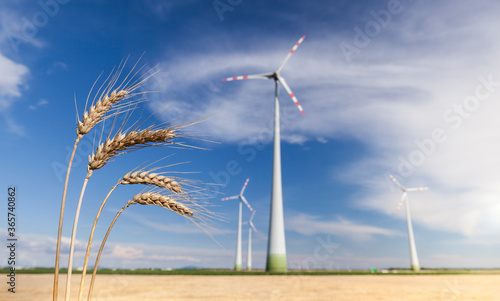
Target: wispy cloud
point(11, 125)
point(16, 28)
point(12, 78)
point(419, 76)
point(391, 98)
point(139, 255)
point(161, 8)
point(180, 228)
point(310, 225)
point(39, 250)
point(57, 67)
point(42, 102)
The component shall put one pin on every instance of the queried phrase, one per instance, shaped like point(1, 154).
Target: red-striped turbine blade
point(241, 77)
point(294, 48)
point(253, 76)
point(418, 189)
point(244, 186)
point(396, 181)
point(401, 201)
point(289, 91)
point(246, 203)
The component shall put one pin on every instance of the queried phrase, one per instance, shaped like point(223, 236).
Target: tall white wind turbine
point(276, 249)
point(237, 265)
point(251, 227)
point(404, 199)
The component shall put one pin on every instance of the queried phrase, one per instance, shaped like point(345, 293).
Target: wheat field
point(338, 287)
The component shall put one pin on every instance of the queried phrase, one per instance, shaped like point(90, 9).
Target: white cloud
point(42, 102)
point(310, 225)
point(162, 9)
point(12, 77)
point(464, 186)
point(11, 125)
point(180, 228)
point(14, 31)
point(56, 67)
point(430, 59)
point(39, 250)
point(139, 255)
point(125, 252)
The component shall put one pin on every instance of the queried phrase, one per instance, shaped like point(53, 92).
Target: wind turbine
point(237, 265)
point(249, 253)
point(404, 199)
point(276, 249)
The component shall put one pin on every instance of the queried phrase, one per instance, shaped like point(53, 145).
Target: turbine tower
point(404, 199)
point(237, 264)
point(250, 228)
point(276, 248)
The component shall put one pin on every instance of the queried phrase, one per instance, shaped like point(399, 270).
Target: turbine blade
point(282, 81)
point(230, 198)
point(396, 181)
point(290, 53)
point(253, 227)
point(244, 186)
point(254, 76)
point(246, 203)
point(251, 217)
point(418, 189)
point(402, 201)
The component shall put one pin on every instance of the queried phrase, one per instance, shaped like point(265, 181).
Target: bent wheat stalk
point(147, 198)
point(137, 177)
point(108, 96)
point(119, 144)
point(91, 118)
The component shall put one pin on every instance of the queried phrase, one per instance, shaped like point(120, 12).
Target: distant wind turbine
point(237, 265)
point(276, 248)
point(404, 199)
point(250, 228)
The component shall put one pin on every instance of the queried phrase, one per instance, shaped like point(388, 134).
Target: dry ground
point(366, 288)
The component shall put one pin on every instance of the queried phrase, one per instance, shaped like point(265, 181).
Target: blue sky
point(402, 87)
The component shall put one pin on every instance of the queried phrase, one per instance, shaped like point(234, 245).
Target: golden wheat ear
point(146, 198)
point(96, 112)
point(151, 178)
point(129, 141)
point(135, 177)
point(110, 96)
point(165, 201)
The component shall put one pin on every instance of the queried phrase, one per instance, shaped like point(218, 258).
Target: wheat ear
point(152, 178)
point(147, 198)
point(90, 120)
point(119, 144)
point(109, 99)
point(97, 111)
point(137, 177)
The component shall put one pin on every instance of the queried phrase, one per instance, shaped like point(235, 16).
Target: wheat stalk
point(137, 177)
point(147, 198)
point(119, 144)
point(97, 113)
point(109, 99)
